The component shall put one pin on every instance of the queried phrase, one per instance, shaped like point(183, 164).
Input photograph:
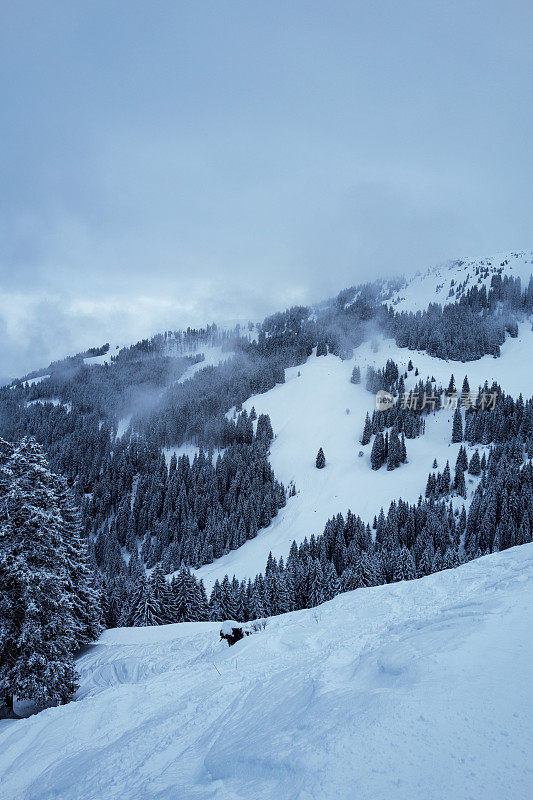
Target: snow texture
point(417, 689)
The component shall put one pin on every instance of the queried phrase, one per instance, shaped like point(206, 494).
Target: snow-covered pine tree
point(315, 584)
point(162, 593)
point(459, 483)
point(474, 468)
point(457, 428)
point(446, 478)
point(42, 568)
point(84, 592)
point(147, 610)
point(356, 375)
point(367, 430)
point(394, 451)
point(462, 460)
point(228, 600)
point(189, 602)
point(426, 562)
point(403, 449)
point(320, 459)
point(366, 570)
point(215, 604)
point(404, 567)
point(377, 456)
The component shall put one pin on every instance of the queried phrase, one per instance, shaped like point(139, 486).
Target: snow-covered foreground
point(308, 411)
point(418, 689)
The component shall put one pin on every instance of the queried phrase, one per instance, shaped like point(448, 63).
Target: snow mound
point(417, 689)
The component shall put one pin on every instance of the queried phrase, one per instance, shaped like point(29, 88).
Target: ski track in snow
point(309, 411)
point(416, 689)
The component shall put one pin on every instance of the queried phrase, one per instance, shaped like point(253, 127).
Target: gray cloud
point(180, 163)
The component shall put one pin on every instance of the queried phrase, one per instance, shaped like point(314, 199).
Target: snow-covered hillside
point(418, 689)
point(448, 283)
point(309, 410)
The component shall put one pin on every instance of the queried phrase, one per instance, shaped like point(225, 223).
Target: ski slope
point(308, 411)
point(418, 689)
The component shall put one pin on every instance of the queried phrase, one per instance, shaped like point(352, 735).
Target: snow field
point(417, 689)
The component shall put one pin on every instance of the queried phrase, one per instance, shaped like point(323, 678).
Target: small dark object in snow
point(360, 454)
point(233, 634)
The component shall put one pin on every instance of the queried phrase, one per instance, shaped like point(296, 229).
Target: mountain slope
point(447, 283)
point(110, 420)
point(308, 411)
point(406, 690)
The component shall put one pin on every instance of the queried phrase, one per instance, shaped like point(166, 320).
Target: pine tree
point(377, 456)
point(257, 605)
point(316, 584)
point(462, 460)
point(459, 483)
point(147, 610)
point(215, 604)
point(356, 375)
point(162, 593)
point(426, 562)
point(320, 459)
point(41, 623)
point(84, 593)
point(404, 567)
point(457, 429)
point(366, 571)
point(446, 478)
point(474, 468)
point(367, 431)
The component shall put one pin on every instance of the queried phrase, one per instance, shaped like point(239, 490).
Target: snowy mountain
point(420, 688)
point(448, 283)
point(309, 411)
point(395, 575)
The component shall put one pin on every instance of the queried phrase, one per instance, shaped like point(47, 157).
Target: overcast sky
point(166, 163)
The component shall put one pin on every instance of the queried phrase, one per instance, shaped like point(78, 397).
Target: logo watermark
point(384, 400)
point(416, 401)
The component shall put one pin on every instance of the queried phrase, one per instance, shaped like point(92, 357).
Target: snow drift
point(418, 689)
